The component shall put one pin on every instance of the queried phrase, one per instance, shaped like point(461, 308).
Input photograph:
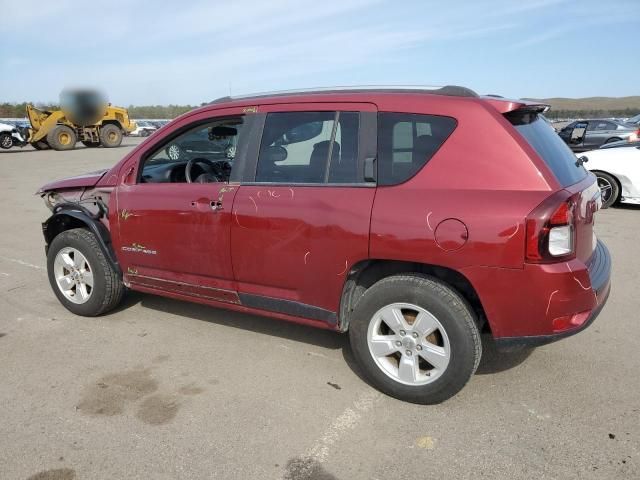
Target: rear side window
point(406, 142)
point(549, 146)
point(309, 147)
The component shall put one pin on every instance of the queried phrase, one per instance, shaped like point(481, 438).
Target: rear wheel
point(91, 144)
point(62, 138)
point(611, 140)
point(415, 338)
point(6, 141)
point(110, 136)
point(80, 275)
point(609, 189)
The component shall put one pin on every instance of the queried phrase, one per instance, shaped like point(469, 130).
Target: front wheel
point(80, 275)
point(415, 338)
point(62, 138)
point(6, 141)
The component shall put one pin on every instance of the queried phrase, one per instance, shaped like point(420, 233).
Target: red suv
point(414, 219)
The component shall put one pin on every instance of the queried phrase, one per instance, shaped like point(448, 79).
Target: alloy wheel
point(408, 344)
point(606, 189)
point(73, 275)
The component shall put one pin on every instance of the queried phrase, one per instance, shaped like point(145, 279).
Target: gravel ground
point(162, 389)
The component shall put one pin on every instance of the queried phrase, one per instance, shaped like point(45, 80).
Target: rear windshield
point(548, 144)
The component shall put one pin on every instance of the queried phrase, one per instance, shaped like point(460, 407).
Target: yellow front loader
point(56, 129)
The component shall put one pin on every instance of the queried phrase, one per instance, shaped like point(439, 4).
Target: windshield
point(635, 119)
point(548, 144)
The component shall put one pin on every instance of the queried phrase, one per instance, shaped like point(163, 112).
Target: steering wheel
point(208, 170)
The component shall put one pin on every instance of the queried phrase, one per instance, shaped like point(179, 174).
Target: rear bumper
point(599, 271)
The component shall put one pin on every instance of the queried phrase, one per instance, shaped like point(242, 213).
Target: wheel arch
point(67, 217)
point(112, 122)
point(366, 273)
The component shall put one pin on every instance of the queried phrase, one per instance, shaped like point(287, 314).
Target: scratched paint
point(429, 223)
point(516, 231)
point(235, 214)
point(550, 297)
point(581, 285)
point(346, 266)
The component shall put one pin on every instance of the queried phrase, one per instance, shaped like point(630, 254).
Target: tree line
point(18, 110)
point(591, 113)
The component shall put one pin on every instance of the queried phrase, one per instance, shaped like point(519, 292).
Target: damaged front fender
point(67, 216)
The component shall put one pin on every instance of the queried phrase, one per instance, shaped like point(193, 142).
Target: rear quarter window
point(406, 142)
point(549, 146)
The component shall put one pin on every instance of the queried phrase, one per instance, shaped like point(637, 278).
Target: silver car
point(583, 135)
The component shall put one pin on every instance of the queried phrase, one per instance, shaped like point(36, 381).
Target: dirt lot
point(167, 390)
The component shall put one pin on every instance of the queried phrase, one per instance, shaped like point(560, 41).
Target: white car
point(143, 129)
point(10, 136)
point(618, 172)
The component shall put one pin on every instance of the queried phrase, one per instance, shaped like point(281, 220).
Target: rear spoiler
point(505, 105)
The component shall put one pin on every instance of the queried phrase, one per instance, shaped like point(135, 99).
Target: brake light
point(550, 230)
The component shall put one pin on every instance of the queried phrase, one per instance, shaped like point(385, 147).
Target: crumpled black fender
point(72, 215)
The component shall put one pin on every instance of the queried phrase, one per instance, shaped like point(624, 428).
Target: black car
point(583, 135)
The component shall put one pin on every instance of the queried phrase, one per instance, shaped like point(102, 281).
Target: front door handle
point(204, 204)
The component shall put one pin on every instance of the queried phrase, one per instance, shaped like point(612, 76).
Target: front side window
point(406, 142)
point(309, 147)
point(202, 154)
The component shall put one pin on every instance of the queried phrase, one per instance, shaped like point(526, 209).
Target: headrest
point(273, 154)
point(324, 147)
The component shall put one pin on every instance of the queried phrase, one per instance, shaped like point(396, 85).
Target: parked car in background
point(621, 143)
point(583, 135)
point(635, 120)
point(143, 128)
point(158, 123)
point(618, 173)
point(12, 136)
point(372, 211)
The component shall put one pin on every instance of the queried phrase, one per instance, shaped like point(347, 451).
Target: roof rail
point(450, 90)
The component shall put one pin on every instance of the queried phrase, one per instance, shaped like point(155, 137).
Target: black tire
point(62, 138)
point(450, 309)
point(108, 288)
point(6, 140)
point(110, 136)
point(91, 144)
point(41, 145)
point(611, 140)
point(609, 188)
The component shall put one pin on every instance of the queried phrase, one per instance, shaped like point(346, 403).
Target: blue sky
point(160, 52)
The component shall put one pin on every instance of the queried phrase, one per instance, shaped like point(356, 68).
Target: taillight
point(550, 230)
